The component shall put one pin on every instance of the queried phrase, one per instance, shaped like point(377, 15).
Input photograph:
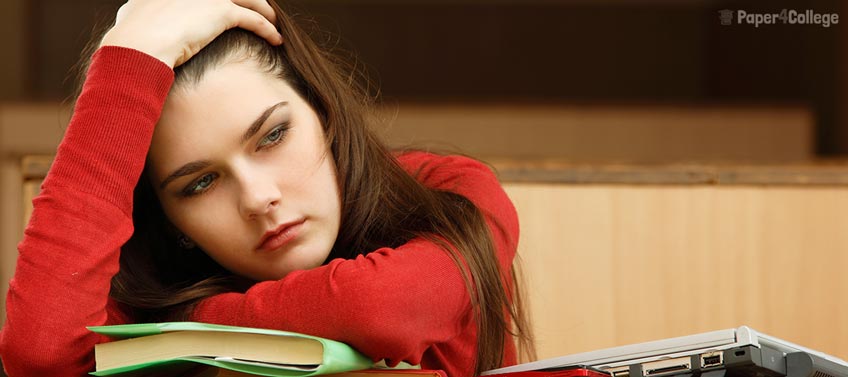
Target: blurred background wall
point(574, 81)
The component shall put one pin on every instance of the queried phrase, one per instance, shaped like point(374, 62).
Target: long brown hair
point(382, 205)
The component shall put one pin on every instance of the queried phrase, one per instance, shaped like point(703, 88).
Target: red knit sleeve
point(475, 181)
point(408, 303)
point(80, 219)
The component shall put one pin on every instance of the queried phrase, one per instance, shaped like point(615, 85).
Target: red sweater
point(408, 303)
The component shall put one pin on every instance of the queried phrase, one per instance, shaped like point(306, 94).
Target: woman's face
point(240, 165)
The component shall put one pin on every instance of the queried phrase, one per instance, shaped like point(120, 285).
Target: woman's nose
point(259, 196)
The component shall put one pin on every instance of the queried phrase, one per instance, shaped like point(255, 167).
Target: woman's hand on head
point(174, 30)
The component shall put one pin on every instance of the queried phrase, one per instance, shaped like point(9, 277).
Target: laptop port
point(712, 359)
point(670, 366)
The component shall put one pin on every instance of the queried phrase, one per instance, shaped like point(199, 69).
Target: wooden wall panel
point(32, 127)
point(612, 265)
point(643, 133)
point(12, 65)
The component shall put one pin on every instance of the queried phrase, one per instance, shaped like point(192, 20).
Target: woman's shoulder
point(474, 180)
point(445, 171)
point(462, 175)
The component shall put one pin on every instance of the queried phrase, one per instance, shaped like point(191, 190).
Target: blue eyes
point(200, 185)
point(271, 139)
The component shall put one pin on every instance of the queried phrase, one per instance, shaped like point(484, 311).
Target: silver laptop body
point(739, 348)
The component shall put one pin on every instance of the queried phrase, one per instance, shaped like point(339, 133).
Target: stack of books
point(206, 350)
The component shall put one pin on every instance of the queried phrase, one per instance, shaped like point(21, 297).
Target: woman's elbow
point(24, 356)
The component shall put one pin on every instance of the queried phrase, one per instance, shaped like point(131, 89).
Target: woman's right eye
point(201, 185)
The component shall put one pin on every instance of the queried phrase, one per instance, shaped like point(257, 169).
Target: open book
point(262, 352)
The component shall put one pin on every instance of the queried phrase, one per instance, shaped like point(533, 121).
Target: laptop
point(739, 351)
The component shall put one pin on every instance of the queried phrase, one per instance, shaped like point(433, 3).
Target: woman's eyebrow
point(189, 168)
point(195, 166)
point(257, 124)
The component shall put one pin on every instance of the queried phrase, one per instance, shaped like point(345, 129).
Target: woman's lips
point(275, 239)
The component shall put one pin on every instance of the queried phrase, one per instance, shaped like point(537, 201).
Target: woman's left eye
point(201, 185)
point(275, 136)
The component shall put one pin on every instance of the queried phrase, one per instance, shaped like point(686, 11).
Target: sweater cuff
point(107, 140)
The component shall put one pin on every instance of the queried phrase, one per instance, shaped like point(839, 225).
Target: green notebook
point(261, 352)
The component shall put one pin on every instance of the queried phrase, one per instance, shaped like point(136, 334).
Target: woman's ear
point(178, 237)
point(185, 242)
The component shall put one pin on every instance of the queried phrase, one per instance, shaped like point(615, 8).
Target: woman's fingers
point(250, 20)
point(259, 6)
point(174, 30)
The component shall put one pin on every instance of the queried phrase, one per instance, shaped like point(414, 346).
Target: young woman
point(261, 199)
